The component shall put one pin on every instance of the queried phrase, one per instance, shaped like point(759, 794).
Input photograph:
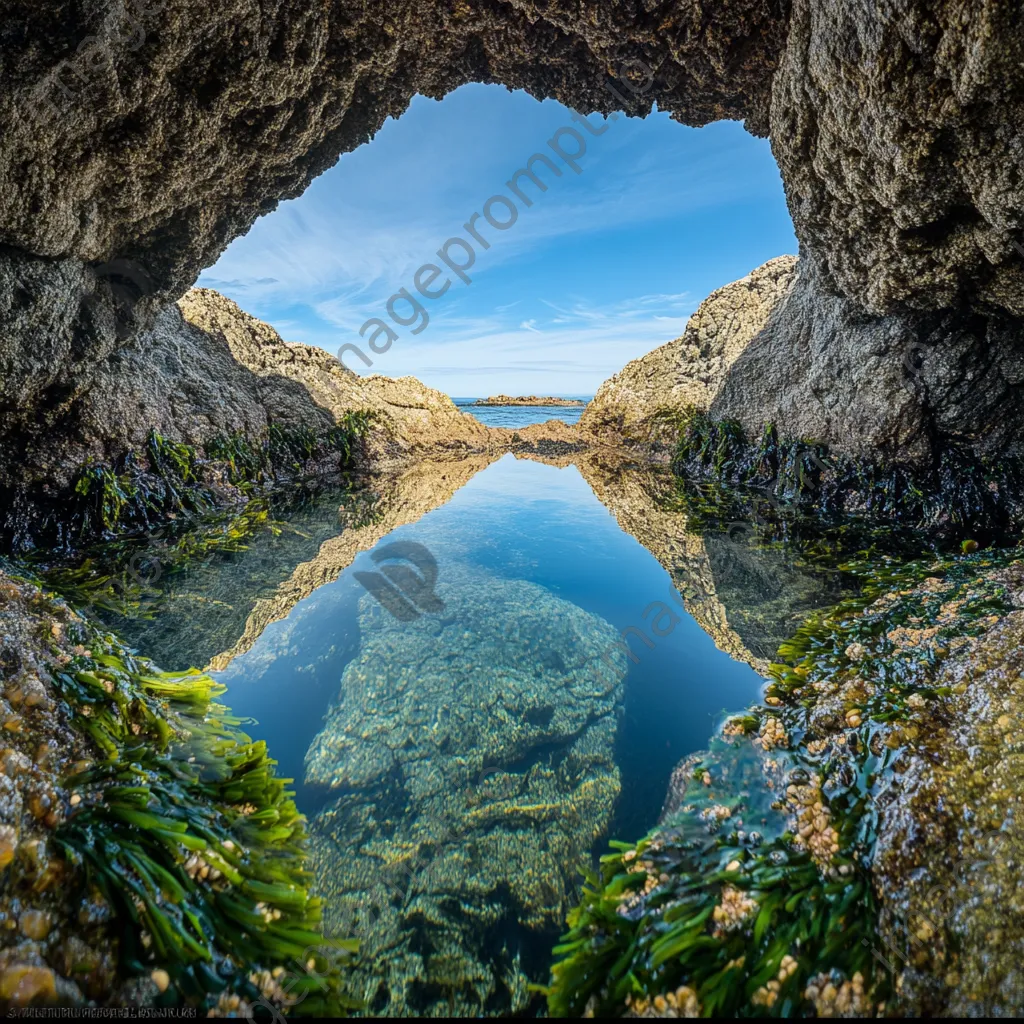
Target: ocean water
point(516, 416)
point(477, 675)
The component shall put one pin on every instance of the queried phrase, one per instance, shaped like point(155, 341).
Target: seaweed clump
point(959, 494)
point(168, 478)
point(756, 894)
point(174, 829)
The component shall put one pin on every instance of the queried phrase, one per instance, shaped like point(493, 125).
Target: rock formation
point(535, 400)
point(469, 761)
point(690, 371)
point(140, 138)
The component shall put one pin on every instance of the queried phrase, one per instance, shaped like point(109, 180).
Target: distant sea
point(516, 416)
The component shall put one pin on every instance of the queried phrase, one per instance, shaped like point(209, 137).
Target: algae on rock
point(783, 866)
point(180, 856)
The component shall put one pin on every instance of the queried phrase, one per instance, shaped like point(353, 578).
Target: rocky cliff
point(139, 138)
point(690, 371)
point(206, 371)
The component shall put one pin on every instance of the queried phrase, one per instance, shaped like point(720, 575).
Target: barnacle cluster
point(683, 1002)
point(834, 996)
point(811, 818)
point(772, 733)
point(734, 909)
point(768, 994)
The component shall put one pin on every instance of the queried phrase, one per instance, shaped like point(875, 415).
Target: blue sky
point(605, 266)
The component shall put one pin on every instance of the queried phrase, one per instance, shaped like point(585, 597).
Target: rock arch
point(152, 132)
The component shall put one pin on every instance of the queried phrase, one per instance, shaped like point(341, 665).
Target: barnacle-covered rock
point(897, 836)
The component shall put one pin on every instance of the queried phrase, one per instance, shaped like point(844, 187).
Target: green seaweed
point(170, 477)
point(184, 828)
point(121, 575)
point(638, 935)
point(959, 493)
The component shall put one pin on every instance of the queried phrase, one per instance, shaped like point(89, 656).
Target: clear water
point(516, 416)
point(516, 520)
point(464, 727)
point(556, 747)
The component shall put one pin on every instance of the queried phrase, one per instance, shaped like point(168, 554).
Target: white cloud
point(572, 353)
point(361, 230)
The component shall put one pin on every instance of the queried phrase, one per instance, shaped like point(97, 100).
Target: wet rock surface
point(52, 949)
point(951, 838)
point(468, 770)
point(884, 763)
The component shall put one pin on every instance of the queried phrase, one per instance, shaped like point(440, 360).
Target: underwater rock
point(469, 766)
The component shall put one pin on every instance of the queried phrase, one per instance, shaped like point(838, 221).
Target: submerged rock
point(469, 766)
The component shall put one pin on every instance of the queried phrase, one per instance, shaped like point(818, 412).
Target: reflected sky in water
point(516, 520)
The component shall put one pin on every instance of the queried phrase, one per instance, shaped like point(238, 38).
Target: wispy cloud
point(329, 243)
point(585, 280)
point(582, 345)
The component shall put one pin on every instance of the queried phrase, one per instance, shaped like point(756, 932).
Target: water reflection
point(459, 762)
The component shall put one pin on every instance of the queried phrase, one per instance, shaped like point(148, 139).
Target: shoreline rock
point(532, 400)
point(212, 378)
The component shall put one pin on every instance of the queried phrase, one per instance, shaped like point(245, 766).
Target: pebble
point(21, 984)
point(35, 924)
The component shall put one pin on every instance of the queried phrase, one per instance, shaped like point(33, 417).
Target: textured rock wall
point(896, 125)
point(141, 136)
point(901, 387)
point(781, 346)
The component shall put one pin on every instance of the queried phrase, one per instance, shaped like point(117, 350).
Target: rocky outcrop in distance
point(688, 373)
point(533, 400)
